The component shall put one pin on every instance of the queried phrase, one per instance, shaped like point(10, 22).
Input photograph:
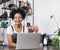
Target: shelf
point(2, 19)
point(3, 27)
point(6, 8)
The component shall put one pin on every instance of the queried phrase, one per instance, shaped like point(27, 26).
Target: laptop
point(28, 40)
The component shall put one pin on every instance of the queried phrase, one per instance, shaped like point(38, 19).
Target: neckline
point(16, 31)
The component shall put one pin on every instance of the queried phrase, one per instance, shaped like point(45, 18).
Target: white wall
point(43, 9)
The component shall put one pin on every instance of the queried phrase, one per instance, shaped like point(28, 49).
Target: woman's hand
point(33, 29)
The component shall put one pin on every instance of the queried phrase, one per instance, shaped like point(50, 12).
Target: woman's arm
point(10, 41)
point(33, 28)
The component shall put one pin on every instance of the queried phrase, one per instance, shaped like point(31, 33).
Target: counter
point(44, 48)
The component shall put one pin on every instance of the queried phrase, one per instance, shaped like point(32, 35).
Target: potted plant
point(55, 41)
point(56, 24)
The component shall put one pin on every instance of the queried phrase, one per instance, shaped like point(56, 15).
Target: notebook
point(28, 40)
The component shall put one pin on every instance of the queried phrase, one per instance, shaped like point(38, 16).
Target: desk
point(44, 48)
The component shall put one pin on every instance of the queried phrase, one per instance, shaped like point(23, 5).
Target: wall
point(43, 9)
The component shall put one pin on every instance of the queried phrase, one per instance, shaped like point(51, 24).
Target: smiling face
point(18, 18)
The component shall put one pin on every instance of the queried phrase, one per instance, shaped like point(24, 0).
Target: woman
point(17, 15)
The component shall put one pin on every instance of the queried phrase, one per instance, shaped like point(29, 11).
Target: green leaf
point(55, 41)
point(58, 32)
point(51, 16)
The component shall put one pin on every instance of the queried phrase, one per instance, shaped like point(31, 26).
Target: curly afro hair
point(18, 10)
